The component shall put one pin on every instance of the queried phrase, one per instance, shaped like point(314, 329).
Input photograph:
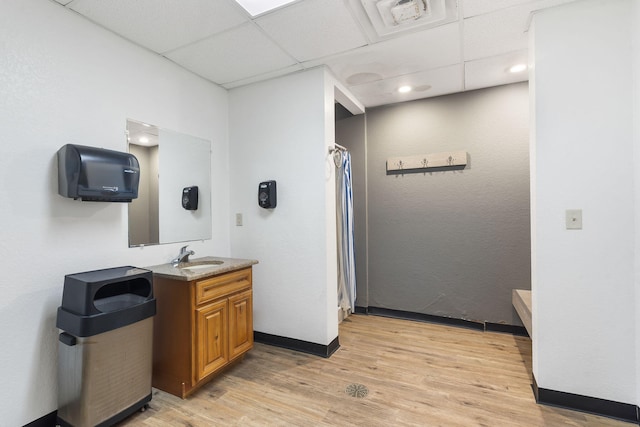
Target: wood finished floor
point(417, 374)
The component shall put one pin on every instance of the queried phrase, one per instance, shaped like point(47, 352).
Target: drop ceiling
point(462, 45)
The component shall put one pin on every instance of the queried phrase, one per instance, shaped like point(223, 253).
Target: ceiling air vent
point(402, 11)
point(386, 18)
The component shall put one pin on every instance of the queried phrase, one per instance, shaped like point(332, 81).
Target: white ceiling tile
point(162, 25)
point(313, 29)
point(494, 71)
point(480, 7)
point(502, 31)
point(496, 33)
point(217, 40)
point(414, 52)
point(233, 55)
point(266, 76)
point(442, 81)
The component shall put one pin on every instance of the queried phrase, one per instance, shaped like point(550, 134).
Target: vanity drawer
point(225, 284)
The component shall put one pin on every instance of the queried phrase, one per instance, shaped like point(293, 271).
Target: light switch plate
point(238, 219)
point(573, 219)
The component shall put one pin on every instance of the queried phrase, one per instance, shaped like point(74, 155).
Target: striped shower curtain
point(346, 251)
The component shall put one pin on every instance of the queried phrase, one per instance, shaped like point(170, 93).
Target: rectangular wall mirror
point(169, 162)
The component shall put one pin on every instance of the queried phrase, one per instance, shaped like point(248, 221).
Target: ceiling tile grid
point(495, 33)
point(265, 76)
point(501, 31)
point(233, 55)
point(313, 29)
point(162, 25)
point(494, 71)
point(434, 82)
point(480, 7)
point(218, 40)
point(415, 52)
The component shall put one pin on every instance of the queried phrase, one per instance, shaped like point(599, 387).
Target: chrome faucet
point(183, 256)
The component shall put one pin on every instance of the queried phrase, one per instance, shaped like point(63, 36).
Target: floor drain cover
point(357, 390)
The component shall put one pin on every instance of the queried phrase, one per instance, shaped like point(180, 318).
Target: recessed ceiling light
point(404, 89)
point(143, 139)
point(256, 7)
point(518, 68)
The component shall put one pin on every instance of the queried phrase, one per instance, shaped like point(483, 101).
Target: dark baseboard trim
point(592, 405)
point(361, 310)
point(509, 329)
point(297, 345)
point(421, 317)
point(450, 321)
point(48, 420)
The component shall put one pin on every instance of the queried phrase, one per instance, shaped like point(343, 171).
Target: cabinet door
point(240, 323)
point(211, 350)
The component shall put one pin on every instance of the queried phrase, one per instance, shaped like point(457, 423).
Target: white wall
point(636, 161)
point(64, 80)
point(584, 314)
point(280, 129)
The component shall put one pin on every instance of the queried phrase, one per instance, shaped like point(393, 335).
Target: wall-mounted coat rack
point(416, 163)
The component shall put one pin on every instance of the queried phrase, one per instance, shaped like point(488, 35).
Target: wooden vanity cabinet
point(201, 327)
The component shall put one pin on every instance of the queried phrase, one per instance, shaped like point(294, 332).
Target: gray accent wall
point(450, 243)
point(144, 210)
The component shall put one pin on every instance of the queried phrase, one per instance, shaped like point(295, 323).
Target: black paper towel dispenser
point(98, 175)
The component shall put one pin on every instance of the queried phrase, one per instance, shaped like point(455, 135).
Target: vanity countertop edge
point(169, 271)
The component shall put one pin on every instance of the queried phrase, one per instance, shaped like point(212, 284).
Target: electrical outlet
point(238, 219)
point(573, 219)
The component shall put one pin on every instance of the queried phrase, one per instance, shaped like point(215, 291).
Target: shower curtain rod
point(338, 147)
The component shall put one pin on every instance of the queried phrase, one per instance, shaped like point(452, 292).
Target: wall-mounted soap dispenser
point(267, 196)
point(190, 198)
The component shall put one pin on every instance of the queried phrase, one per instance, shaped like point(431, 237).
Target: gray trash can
point(105, 349)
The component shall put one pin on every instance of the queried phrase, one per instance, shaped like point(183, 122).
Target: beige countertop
point(521, 300)
point(180, 273)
